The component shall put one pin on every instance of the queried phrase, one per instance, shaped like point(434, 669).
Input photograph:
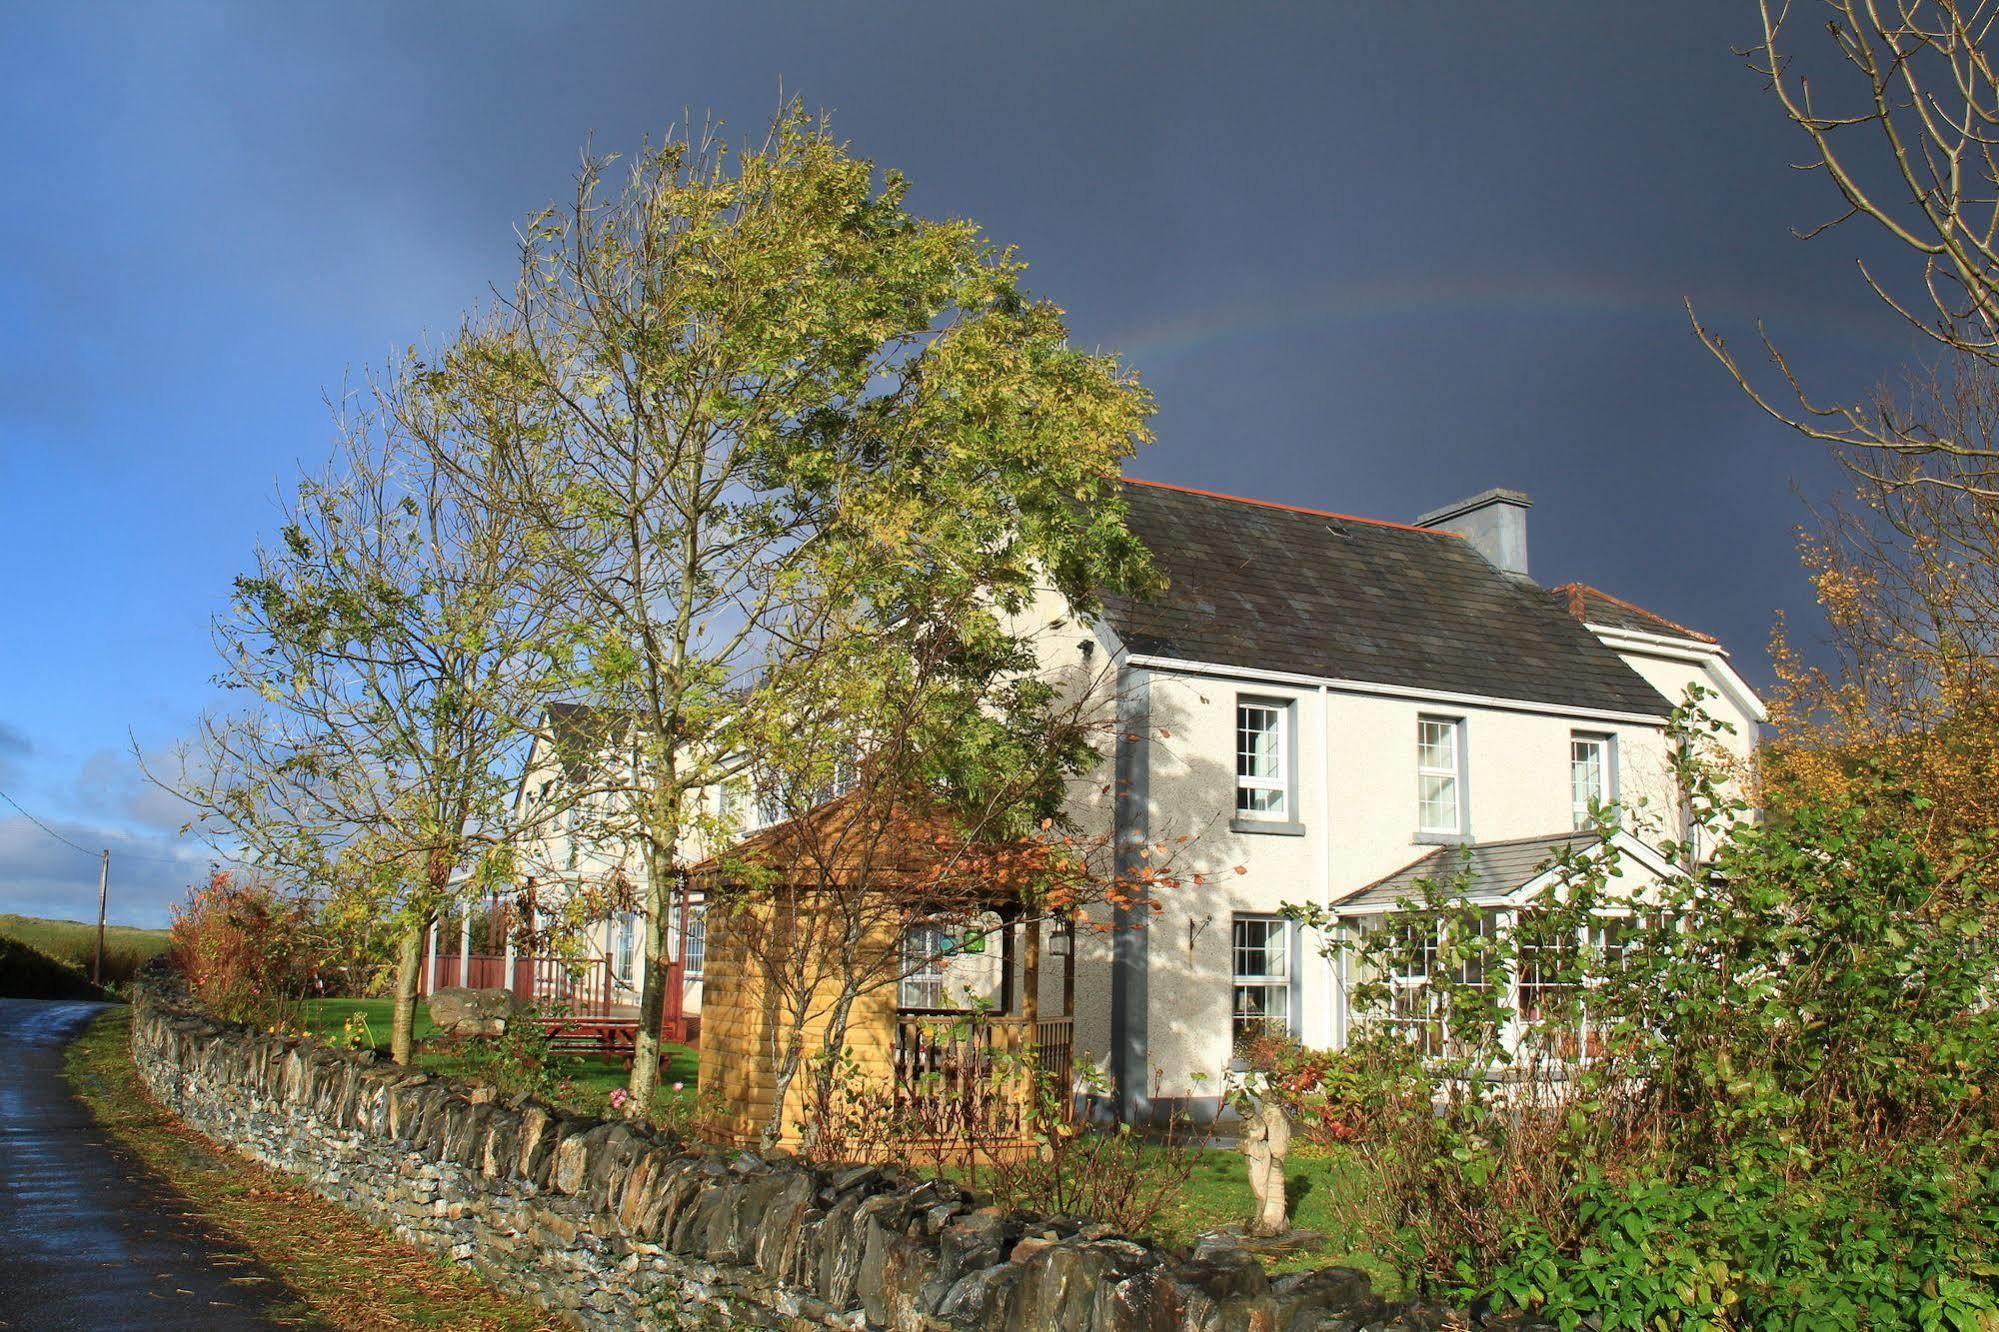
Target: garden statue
point(1266, 1140)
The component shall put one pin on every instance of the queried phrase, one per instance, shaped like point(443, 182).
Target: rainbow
point(1584, 295)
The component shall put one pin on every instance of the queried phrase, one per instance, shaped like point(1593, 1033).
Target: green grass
point(588, 1080)
point(75, 942)
point(29, 973)
point(338, 1271)
point(1330, 1191)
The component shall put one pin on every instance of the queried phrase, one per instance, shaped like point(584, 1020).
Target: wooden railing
point(582, 986)
point(962, 1074)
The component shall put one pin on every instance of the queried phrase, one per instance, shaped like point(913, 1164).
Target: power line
point(124, 855)
point(43, 826)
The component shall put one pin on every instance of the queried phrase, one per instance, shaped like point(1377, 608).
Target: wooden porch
point(966, 1078)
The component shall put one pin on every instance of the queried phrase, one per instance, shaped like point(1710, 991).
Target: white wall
point(1356, 797)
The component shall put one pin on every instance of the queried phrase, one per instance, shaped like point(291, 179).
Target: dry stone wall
point(612, 1227)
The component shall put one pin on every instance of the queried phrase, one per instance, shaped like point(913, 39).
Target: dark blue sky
point(1369, 257)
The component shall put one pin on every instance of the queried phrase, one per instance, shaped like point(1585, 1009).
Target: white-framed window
point(1592, 776)
point(628, 929)
point(1262, 758)
point(769, 807)
point(923, 950)
point(1260, 952)
point(695, 924)
point(1548, 963)
point(1411, 1005)
point(1440, 764)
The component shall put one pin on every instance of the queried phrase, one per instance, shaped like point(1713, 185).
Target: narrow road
point(88, 1237)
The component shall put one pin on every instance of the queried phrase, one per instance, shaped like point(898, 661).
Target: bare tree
point(1909, 136)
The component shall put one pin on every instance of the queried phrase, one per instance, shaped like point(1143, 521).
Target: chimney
point(1494, 521)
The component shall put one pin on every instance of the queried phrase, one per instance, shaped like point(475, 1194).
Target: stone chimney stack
point(1494, 521)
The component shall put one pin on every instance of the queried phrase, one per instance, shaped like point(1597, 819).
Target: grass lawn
point(588, 1080)
point(342, 1272)
point(1328, 1189)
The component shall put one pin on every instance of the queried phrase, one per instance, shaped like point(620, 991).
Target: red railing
point(582, 985)
point(583, 988)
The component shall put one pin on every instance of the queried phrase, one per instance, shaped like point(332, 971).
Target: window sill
point(1274, 827)
point(1441, 839)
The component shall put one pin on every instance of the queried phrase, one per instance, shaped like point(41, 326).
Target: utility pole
point(103, 880)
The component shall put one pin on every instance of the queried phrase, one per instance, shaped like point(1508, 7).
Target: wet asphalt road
point(88, 1238)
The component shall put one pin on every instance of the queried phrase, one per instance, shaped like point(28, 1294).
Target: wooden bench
point(608, 1036)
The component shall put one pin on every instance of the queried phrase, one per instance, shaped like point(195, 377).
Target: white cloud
point(40, 876)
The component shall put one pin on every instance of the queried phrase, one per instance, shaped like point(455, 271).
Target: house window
point(1262, 759)
point(1550, 960)
point(1261, 949)
point(1411, 959)
point(627, 935)
point(693, 922)
point(1440, 775)
point(1591, 774)
point(923, 950)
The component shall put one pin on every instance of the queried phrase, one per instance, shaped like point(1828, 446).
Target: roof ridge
point(1570, 835)
point(1290, 508)
point(1578, 586)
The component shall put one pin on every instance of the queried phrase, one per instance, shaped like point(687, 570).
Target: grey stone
point(459, 1011)
point(608, 1226)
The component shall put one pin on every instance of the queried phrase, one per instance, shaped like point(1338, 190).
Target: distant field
point(29, 973)
point(75, 942)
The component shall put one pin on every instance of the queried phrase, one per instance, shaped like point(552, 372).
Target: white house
point(1318, 708)
point(1326, 706)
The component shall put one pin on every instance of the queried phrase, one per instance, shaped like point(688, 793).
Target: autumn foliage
point(240, 947)
point(1907, 681)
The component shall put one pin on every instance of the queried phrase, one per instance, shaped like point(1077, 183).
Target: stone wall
point(613, 1227)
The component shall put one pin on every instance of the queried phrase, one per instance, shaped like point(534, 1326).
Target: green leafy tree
point(389, 649)
point(759, 403)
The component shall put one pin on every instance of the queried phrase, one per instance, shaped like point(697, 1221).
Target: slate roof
point(1269, 586)
point(580, 733)
point(1593, 605)
point(1497, 869)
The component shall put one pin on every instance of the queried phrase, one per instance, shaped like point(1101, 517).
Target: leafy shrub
point(1109, 1173)
point(1785, 1117)
point(521, 1059)
point(1322, 1092)
point(239, 946)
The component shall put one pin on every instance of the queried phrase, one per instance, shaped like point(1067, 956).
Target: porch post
point(1509, 921)
point(436, 962)
point(508, 953)
point(465, 944)
point(1006, 967)
point(1069, 971)
point(1030, 976)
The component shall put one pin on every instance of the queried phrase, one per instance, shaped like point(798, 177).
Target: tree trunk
point(644, 1084)
point(409, 974)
